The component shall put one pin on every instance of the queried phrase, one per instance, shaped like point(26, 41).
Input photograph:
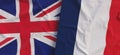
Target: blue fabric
point(39, 5)
point(67, 27)
point(43, 49)
point(9, 6)
point(10, 49)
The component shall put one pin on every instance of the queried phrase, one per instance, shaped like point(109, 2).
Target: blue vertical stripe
point(67, 27)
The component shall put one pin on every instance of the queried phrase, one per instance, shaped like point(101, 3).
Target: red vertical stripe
point(113, 32)
point(25, 34)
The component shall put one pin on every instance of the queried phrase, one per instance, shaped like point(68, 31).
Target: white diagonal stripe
point(4, 36)
point(41, 37)
point(48, 7)
point(9, 17)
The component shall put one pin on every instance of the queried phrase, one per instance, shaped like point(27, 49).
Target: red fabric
point(113, 32)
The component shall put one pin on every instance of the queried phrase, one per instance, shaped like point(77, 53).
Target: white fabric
point(92, 27)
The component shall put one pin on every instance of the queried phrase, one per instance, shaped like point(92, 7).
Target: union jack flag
point(28, 27)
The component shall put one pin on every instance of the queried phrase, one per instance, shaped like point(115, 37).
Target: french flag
point(89, 27)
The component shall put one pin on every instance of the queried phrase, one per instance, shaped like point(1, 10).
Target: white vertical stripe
point(31, 38)
point(32, 45)
point(92, 27)
point(17, 15)
point(18, 45)
point(31, 10)
point(17, 8)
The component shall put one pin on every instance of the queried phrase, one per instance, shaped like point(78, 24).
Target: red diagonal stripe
point(5, 41)
point(49, 10)
point(51, 38)
point(1, 17)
